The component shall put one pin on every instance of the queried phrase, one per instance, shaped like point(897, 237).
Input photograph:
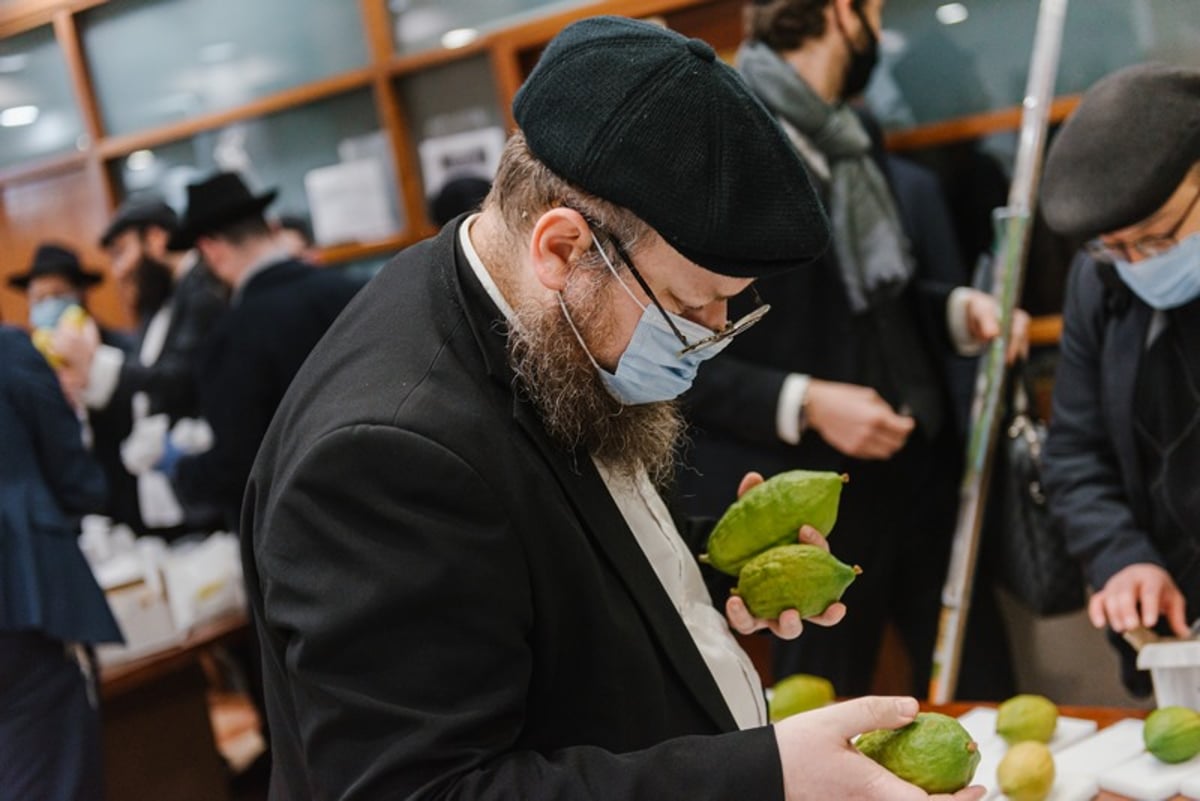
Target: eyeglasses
point(728, 332)
point(1147, 247)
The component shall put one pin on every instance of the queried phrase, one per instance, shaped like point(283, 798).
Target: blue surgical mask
point(651, 369)
point(1168, 280)
point(45, 313)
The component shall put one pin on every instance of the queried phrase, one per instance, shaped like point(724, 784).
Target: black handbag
point(1031, 553)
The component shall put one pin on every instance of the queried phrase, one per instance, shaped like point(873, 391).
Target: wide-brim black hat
point(215, 203)
point(1124, 151)
point(654, 122)
point(138, 212)
point(56, 260)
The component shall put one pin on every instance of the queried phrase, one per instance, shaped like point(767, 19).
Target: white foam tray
point(1080, 752)
point(1144, 778)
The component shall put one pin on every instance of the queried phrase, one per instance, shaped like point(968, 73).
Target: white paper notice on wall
point(475, 153)
point(349, 202)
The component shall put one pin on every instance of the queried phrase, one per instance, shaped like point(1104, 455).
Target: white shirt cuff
point(103, 376)
point(956, 323)
point(791, 404)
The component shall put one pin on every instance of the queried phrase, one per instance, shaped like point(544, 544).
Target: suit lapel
point(600, 517)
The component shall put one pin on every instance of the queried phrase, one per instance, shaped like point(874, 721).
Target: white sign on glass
point(473, 153)
point(349, 202)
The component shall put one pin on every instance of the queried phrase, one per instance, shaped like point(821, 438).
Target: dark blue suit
point(49, 744)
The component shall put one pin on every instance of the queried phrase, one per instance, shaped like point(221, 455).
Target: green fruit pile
point(1026, 717)
point(934, 752)
point(1026, 773)
point(755, 540)
point(1172, 734)
point(798, 693)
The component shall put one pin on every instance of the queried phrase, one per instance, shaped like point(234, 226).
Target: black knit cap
point(1124, 151)
point(652, 121)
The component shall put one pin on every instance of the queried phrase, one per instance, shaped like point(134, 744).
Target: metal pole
point(1013, 224)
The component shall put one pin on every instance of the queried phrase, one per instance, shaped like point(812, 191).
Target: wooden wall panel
point(69, 208)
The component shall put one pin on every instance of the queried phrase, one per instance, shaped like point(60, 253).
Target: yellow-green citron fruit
point(801, 577)
point(771, 514)
point(934, 752)
point(1172, 734)
point(1026, 773)
point(1026, 717)
point(798, 693)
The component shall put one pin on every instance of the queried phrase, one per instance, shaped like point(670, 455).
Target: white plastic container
point(1175, 670)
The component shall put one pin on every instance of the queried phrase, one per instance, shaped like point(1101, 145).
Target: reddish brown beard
point(556, 375)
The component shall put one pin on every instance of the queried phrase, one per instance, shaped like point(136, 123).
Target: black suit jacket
point(196, 303)
point(811, 330)
point(450, 605)
point(251, 357)
point(1092, 472)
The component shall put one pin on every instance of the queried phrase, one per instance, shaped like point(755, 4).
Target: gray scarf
point(871, 248)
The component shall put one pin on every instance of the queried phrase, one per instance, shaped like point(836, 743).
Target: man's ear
point(559, 237)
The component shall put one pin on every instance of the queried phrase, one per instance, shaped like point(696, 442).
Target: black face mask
point(862, 62)
point(154, 281)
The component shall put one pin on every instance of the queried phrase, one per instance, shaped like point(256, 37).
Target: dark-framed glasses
point(1147, 247)
point(730, 330)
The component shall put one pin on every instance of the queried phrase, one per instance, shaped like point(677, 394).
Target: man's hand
point(983, 324)
point(855, 420)
point(820, 764)
point(789, 625)
point(1141, 586)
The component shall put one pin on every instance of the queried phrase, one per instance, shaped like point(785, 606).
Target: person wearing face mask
point(1123, 173)
point(853, 379)
point(462, 572)
point(177, 301)
point(54, 283)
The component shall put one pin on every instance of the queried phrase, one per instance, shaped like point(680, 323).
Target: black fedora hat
point(214, 203)
point(56, 260)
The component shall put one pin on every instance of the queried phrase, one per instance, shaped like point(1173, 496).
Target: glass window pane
point(456, 122)
point(943, 60)
point(282, 151)
point(424, 24)
point(38, 113)
point(155, 62)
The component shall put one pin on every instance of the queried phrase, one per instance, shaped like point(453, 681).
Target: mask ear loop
point(608, 263)
point(579, 337)
point(567, 314)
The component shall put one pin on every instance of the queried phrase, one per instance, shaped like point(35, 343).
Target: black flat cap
point(653, 121)
point(137, 212)
point(1124, 150)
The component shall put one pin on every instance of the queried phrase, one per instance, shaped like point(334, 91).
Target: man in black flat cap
point(176, 301)
point(279, 308)
point(463, 576)
point(1124, 447)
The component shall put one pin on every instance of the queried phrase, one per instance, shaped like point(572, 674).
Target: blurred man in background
point(852, 379)
point(177, 302)
point(279, 308)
